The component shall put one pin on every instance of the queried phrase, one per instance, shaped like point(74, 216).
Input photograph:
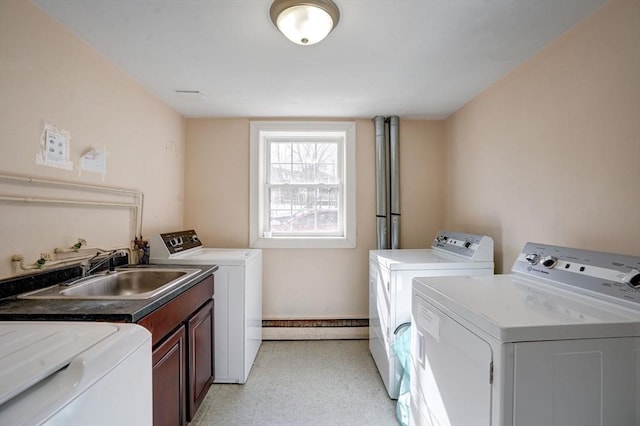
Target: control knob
point(632, 279)
point(549, 261)
point(532, 258)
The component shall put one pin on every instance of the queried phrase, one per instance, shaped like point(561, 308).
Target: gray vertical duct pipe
point(394, 181)
point(387, 182)
point(381, 184)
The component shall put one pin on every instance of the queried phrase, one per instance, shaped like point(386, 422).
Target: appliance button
point(467, 244)
point(532, 258)
point(632, 278)
point(549, 261)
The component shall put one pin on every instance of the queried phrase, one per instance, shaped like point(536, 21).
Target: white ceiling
point(412, 58)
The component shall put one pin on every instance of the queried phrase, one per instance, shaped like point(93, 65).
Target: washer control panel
point(471, 246)
point(611, 276)
point(175, 242)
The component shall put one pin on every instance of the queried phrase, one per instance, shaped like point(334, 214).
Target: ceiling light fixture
point(305, 22)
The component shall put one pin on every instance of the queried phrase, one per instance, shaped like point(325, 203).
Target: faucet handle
point(85, 265)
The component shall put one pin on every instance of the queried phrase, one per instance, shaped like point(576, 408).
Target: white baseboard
point(314, 333)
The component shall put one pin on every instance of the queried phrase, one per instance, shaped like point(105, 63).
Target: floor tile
point(303, 383)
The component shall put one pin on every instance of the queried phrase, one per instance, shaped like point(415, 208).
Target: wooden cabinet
point(201, 361)
point(169, 377)
point(183, 355)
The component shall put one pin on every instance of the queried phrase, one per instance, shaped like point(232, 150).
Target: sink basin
point(142, 283)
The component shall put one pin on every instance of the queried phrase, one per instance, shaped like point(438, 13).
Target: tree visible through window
point(302, 184)
point(304, 187)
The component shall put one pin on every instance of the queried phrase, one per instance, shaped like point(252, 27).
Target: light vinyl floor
point(304, 383)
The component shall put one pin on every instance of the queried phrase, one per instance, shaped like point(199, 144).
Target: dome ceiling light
point(305, 22)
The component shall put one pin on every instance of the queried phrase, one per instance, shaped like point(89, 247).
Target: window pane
point(327, 173)
point(280, 167)
point(303, 152)
point(314, 221)
point(280, 173)
point(279, 199)
point(280, 220)
point(304, 221)
point(327, 198)
point(304, 162)
point(280, 152)
point(280, 209)
point(327, 152)
point(303, 209)
point(302, 173)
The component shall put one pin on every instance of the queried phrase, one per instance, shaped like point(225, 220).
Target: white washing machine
point(555, 343)
point(390, 275)
point(73, 373)
point(237, 308)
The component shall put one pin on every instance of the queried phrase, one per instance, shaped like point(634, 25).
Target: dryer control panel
point(477, 248)
point(610, 276)
point(164, 245)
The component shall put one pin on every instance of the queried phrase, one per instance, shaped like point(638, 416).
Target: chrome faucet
point(87, 269)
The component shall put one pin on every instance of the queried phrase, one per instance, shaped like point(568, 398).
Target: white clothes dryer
point(390, 275)
point(237, 308)
point(557, 342)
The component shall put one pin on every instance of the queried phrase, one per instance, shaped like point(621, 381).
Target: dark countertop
point(14, 309)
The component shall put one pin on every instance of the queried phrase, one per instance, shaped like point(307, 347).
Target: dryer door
point(451, 369)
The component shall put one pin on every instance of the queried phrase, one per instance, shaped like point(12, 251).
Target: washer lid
point(210, 256)
point(511, 309)
point(32, 351)
point(413, 259)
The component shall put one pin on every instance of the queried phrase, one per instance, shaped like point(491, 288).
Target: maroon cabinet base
point(183, 355)
point(169, 374)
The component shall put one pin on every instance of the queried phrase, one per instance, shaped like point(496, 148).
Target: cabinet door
point(201, 356)
point(169, 374)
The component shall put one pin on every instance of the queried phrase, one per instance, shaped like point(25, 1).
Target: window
point(302, 184)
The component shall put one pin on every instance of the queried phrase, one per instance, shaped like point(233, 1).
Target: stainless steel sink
point(142, 283)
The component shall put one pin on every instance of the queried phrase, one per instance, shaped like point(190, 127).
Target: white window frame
point(260, 132)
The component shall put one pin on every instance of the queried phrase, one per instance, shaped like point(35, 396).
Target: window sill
point(302, 242)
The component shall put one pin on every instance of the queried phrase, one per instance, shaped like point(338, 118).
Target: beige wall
point(551, 152)
point(48, 76)
point(311, 283)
